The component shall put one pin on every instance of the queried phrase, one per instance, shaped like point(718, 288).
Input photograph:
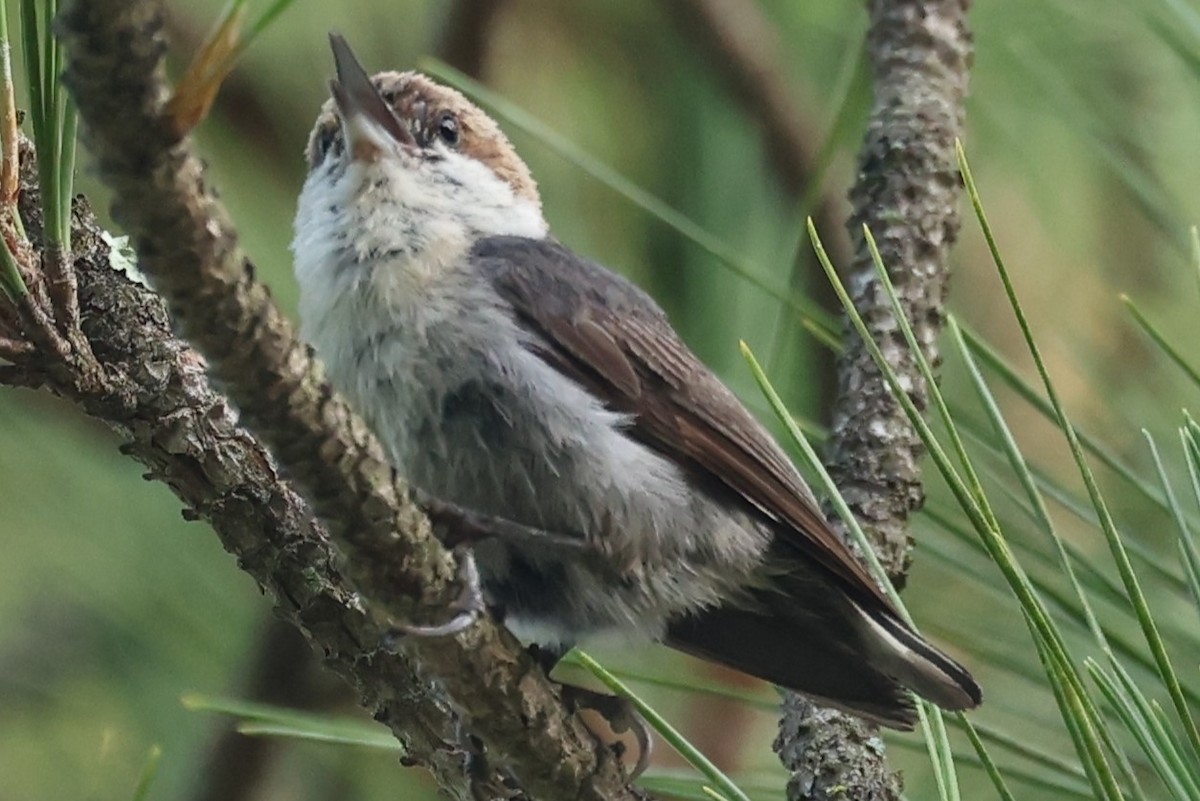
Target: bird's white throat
point(422, 214)
point(379, 244)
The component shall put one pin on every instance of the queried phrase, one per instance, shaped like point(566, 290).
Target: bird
point(621, 487)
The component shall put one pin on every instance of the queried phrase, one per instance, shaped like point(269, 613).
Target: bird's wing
point(603, 332)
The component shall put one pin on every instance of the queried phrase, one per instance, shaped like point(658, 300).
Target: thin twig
point(15, 350)
point(62, 285)
point(40, 327)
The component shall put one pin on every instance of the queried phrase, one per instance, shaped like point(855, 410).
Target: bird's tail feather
point(844, 654)
point(899, 651)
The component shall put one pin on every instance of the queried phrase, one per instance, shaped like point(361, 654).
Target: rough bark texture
point(907, 193)
point(473, 708)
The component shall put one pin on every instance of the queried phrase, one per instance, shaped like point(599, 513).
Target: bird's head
point(402, 152)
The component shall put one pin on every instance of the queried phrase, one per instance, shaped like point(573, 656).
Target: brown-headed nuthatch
point(515, 381)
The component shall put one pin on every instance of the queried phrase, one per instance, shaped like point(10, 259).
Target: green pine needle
point(142, 791)
point(1156, 336)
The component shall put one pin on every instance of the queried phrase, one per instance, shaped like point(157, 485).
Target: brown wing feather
point(606, 334)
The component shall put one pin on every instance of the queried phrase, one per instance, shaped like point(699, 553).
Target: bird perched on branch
point(612, 481)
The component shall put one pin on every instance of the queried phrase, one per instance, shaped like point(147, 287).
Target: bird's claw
point(468, 607)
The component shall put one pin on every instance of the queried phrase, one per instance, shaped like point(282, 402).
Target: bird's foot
point(468, 607)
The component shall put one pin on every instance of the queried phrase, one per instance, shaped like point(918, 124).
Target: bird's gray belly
point(515, 440)
point(482, 449)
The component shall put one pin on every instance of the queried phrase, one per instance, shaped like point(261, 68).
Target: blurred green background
point(1081, 131)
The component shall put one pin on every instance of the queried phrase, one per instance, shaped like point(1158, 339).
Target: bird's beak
point(367, 121)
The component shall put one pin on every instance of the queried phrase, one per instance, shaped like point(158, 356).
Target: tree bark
point(906, 192)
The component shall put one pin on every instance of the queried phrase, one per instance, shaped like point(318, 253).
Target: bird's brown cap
point(424, 106)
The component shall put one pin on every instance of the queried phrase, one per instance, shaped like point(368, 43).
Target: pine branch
point(907, 193)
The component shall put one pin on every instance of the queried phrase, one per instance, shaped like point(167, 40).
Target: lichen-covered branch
point(907, 192)
point(505, 712)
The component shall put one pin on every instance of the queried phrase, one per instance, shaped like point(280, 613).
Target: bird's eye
point(447, 129)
